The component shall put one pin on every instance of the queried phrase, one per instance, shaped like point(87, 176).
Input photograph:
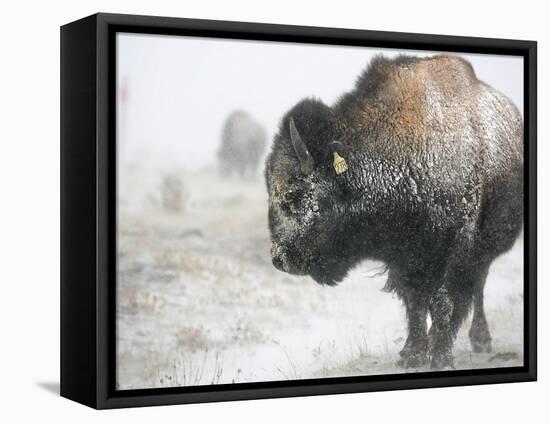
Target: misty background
point(198, 299)
point(175, 92)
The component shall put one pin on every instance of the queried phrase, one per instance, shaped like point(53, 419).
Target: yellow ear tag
point(339, 164)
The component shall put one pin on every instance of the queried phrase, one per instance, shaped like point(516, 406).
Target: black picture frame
point(88, 199)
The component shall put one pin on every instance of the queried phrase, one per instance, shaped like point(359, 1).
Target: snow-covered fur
point(434, 189)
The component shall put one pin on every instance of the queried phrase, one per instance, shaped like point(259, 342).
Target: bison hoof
point(412, 360)
point(481, 346)
point(442, 362)
point(480, 340)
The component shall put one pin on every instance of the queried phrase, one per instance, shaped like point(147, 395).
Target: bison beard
point(421, 167)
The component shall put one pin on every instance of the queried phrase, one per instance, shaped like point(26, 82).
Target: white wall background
point(29, 87)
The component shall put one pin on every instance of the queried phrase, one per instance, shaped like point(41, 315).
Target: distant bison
point(421, 167)
point(242, 146)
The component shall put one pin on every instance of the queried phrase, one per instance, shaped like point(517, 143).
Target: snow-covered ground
point(199, 302)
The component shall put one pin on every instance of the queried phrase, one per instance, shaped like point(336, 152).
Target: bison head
point(306, 195)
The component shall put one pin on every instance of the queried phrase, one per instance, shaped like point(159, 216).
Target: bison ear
point(338, 153)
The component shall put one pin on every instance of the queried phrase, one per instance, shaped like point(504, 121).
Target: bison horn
point(306, 161)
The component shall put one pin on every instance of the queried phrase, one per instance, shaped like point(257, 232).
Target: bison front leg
point(415, 351)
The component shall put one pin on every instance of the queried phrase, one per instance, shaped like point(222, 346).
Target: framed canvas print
point(256, 211)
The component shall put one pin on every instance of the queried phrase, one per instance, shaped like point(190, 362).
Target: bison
point(242, 146)
point(420, 166)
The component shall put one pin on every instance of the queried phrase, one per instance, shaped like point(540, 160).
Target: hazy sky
point(180, 89)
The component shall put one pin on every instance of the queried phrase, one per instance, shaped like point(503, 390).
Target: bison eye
point(293, 197)
point(292, 201)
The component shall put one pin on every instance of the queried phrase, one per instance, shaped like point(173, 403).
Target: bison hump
point(408, 97)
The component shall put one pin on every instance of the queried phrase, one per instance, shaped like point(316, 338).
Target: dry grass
point(199, 301)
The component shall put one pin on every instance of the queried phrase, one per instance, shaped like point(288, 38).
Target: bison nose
point(278, 262)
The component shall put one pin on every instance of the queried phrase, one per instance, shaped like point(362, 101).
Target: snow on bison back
point(419, 166)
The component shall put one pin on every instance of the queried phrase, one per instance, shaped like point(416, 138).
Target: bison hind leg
point(450, 306)
point(480, 337)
